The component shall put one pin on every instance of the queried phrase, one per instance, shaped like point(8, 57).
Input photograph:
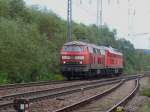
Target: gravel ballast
point(139, 100)
point(108, 101)
point(57, 103)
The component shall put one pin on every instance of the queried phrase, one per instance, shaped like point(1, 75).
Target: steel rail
point(42, 83)
point(10, 104)
point(24, 94)
point(18, 95)
point(20, 85)
point(59, 93)
point(74, 90)
point(126, 99)
point(87, 101)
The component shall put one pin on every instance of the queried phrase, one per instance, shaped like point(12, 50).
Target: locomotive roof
point(81, 43)
point(75, 43)
point(110, 49)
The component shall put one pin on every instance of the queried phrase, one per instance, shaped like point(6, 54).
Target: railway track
point(58, 86)
point(44, 83)
point(7, 101)
point(98, 103)
point(36, 96)
point(21, 85)
point(123, 101)
point(54, 89)
point(32, 90)
point(41, 83)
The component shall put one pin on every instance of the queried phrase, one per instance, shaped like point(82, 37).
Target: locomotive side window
point(94, 49)
point(102, 51)
point(90, 49)
point(98, 51)
point(73, 48)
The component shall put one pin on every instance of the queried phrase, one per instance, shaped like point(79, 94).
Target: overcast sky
point(115, 15)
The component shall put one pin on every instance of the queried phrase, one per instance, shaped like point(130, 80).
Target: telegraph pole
point(69, 21)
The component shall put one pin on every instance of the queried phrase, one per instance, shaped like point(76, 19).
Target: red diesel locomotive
point(84, 60)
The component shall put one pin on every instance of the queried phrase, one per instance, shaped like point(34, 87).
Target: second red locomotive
point(84, 60)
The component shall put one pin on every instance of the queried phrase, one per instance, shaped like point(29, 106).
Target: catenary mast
point(69, 21)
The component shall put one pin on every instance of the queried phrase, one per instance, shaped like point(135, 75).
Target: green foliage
point(145, 92)
point(50, 76)
point(31, 39)
point(4, 7)
point(145, 107)
point(23, 50)
point(4, 78)
point(16, 8)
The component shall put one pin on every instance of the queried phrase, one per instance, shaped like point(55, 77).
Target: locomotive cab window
point(95, 51)
point(90, 49)
point(98, 51)
point(73, 48)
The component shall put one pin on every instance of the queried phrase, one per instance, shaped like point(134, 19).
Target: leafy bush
point(4, 78)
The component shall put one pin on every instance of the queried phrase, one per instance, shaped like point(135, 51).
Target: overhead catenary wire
point(99, 12)
point(80, 3)
point(131, 16)
point(83, 8)
point(99, 20)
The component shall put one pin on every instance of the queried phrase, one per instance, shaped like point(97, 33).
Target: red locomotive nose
point(74, 54)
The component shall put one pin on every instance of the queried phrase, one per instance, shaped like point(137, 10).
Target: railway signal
point(21, 105)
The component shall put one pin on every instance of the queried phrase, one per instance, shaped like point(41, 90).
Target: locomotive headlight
point(66, 57)
point(79, 57)
point(80, 62)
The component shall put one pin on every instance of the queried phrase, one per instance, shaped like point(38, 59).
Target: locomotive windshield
point(73, 48)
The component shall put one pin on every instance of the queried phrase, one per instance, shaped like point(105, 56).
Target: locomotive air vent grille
point(72, 63)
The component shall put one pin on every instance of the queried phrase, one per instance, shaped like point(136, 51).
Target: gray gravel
point(137, 102)
point(37, 88)
point(108, 101)
point(54, 104)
